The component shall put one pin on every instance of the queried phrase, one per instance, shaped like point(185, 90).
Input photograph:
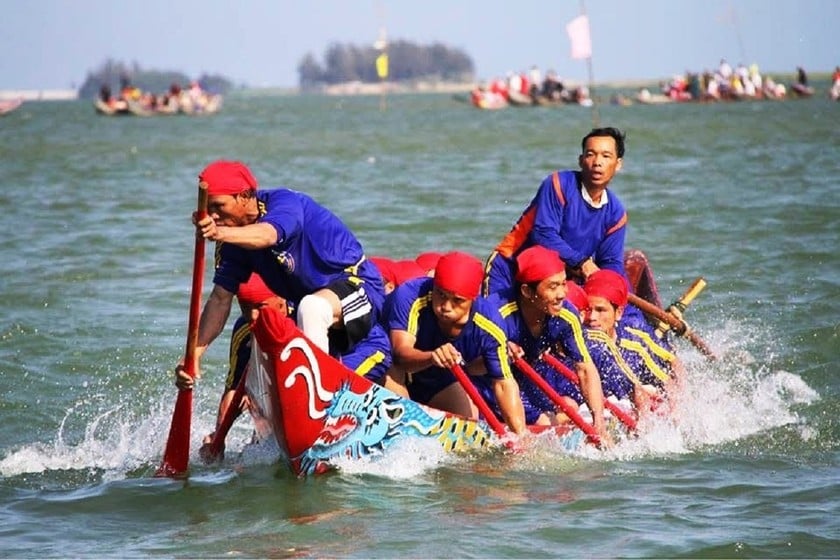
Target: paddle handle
point(567, 372)
point(555, 397)
point(681, 304)
point(478, 400)
point(693, 291)
point(197, 281)
point(679, 326)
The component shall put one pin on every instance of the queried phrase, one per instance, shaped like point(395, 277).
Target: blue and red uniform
point(633, 357)
point(562, 335)
point(560, 219)
point(314, 250)
point(483, 336)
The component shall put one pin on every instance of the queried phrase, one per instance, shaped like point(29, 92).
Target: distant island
point(407, 63)
point(114, 74)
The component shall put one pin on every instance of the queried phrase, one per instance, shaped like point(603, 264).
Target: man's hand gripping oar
point(672, 319)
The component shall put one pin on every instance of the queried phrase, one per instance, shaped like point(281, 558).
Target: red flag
point(578, 30)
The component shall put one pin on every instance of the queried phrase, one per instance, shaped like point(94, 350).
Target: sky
point(54, 44)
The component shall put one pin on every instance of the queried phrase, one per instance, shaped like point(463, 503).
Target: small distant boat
point(802, 90)
point(645, 97)
point(487, 99)
point(183, 104)
point(7, 106)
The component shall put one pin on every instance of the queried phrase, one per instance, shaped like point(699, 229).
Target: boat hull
point(319, 411)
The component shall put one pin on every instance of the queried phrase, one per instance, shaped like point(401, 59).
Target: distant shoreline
point(359, 88)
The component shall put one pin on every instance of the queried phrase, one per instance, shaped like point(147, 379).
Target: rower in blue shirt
point(437, 323)
point(302, 251)
point(644, 366)
point(539, 319)
point(572, 213)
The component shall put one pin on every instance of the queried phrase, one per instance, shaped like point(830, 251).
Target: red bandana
point(428, 261)
point(460, 274)
point(227, 177)
point(537, 263)
point(576, 296)
point(609, 285)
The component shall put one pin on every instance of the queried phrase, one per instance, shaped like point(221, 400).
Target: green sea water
point(96, 256)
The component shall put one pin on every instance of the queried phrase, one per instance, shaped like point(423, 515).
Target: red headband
point(254, 291)
point(576, 296)
point(386, 269)
point(460, 274)
point(428, 261)
point(607, 284)
point(406, 270)
point(227, 177)
point(537, 263)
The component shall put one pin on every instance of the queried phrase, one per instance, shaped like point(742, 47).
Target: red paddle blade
point(177, 453)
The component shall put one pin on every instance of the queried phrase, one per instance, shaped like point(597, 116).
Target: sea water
point(97, 256)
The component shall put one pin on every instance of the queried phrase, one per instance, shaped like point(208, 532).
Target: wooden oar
point(679, 326)
point(681, 304)
point(555, 397)
point(177, 454)
point(478, 400)
point(567, 372)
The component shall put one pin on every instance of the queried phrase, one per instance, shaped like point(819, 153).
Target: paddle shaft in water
point(555, 397)
point(567, 372)
point(177, 453)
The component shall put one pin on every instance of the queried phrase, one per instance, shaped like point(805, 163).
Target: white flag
point(578, 30)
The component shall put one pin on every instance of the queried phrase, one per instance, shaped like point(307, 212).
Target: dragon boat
point(319, 411)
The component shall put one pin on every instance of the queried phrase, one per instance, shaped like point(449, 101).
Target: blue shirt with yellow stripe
point(483, 336)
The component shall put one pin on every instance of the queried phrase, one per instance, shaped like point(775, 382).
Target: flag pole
point(381, 45)
point(580, 37)
point(596, 117)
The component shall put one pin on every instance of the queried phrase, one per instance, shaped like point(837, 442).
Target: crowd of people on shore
point(553, 288)
point(131, 99)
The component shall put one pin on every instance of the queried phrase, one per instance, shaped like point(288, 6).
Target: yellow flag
point(382, 65)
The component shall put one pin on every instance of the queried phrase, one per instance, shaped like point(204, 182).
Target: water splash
point(738, 396)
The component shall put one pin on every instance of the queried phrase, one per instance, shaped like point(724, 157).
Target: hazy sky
point(54, 44)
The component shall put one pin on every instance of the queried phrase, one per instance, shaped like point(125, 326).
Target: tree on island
point(407, 62)
point(112, 73)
